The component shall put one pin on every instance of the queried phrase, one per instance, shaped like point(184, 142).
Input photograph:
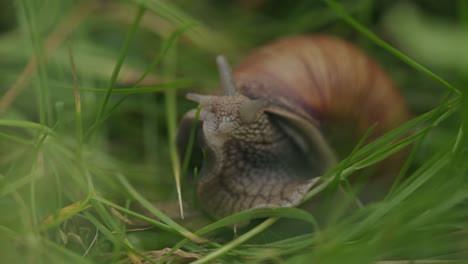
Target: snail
point(267, 137)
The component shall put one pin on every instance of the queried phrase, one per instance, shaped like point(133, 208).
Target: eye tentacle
point(249, 110)
point(225, 74)
point(199, 98)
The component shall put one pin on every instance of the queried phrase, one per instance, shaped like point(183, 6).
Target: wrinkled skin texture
point(252, 165)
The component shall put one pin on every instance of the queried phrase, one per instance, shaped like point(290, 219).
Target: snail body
point(267, 137)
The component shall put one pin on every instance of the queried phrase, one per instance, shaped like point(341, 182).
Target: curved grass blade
point(238, 241)
point(146, 89)
point(16, 139)
point(136, 215)
point(270, 213)
point(148, 206)
point(27, 124)
point(121, 241)
point(350, 20)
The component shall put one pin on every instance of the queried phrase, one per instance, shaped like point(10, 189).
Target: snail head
point(229, 114)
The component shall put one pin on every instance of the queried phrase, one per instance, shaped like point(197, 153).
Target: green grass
point(91, 96)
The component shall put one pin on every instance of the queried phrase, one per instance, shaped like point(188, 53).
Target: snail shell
point(288, 112)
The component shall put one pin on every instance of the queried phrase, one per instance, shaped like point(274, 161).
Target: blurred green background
point(43, 171)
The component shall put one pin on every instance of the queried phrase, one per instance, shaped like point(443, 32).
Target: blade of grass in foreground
point(131, 213)
point(238, 241)
point(27, 125)
point(63, 214)
point(434, 116)
point(383, 147)
point(350, 20)
point(146, 89)
point(115, 238)
point(147, 205)
point(170, 103)
point(346, 162)
point(16, 139)
point(431, 168)
point(245, 216)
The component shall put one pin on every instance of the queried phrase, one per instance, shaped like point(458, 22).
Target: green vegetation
point(91, 93)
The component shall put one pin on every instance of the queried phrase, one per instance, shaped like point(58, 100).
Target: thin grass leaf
point(437, 163)
point(30, 23)
point(136, 215)
point(11, 187)
point(76, 89)
point(148, 206)
point(37, 169)
point(350, 20)
point(386, 152)
point(177, 84)
point(27, 125)
point(191, 141)
point(284, 244)
point(246, 216)
point(115, 237)
point(17, 139)
point(106, 217)
point(72, 210)
point(64, 213)
point(440, 209)
point(58, 183)
point(236, 242)
point(194, 189)
point(118, 65)
point(171, 123)
point(439, 113)
point(346, 162)
point(464, 120)
point(407, 164)
point(169, 43)
point(458, 140)
point(392, 136)
point(70, 256)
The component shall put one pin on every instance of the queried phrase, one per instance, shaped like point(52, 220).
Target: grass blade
point(118, 65)
point(238, 241)
point(147, 205)
point(145, 89)
point(366, 32)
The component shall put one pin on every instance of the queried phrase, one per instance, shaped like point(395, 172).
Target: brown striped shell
point(289, 111)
